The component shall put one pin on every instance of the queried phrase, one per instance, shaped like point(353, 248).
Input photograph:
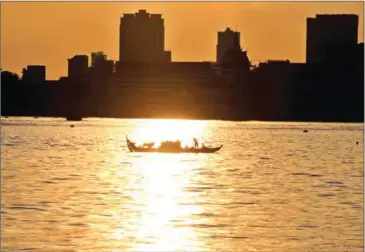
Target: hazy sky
point(48, 33)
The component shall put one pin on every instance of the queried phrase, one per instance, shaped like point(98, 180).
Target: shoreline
point(182, 118)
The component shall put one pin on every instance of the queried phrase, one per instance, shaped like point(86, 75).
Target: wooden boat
point(170, 147)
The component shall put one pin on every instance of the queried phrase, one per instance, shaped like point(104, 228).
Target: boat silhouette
point(170, 147)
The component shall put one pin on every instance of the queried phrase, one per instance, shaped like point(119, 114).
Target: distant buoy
point(72, 125)
point(305, 131)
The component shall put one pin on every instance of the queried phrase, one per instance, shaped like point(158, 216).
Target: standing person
point(196, 144)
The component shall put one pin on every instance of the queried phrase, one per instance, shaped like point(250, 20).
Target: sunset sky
point(47, 33)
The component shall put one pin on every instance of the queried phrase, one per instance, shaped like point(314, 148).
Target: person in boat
point(196, 144)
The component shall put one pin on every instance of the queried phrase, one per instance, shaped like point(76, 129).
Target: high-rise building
point(142, 38)
point(326, 31)
point(78, 67)
point(227, 41)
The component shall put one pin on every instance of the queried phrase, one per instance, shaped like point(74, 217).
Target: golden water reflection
point(271, 188)
point(163, 208)
point(160, 194)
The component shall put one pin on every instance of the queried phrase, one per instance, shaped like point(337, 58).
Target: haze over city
point(49, 33)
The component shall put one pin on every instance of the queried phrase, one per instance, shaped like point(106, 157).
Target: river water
point(271, 187)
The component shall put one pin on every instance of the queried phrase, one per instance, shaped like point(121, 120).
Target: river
point(272, 187)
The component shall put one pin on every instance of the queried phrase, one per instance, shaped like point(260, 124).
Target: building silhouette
point(146, 84)
point(78, 67)
point(327, 31)
point(97, 58)
point(227, 41)
point(101, 66)
point(233, 63)
point(142, 38)
point(34, 74)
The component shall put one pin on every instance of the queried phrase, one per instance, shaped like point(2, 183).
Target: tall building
point(78, 67)
point(227, 41)
point(142, 38)
point(326, 31)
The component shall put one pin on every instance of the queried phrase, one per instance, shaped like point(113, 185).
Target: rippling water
point(270, 188)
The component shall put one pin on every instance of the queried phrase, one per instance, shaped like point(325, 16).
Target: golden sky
point(47, 33)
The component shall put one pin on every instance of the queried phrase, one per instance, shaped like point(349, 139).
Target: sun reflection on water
point(161, 192)
point(159, 220)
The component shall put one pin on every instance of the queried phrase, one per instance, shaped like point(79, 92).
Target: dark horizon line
point(183, 118)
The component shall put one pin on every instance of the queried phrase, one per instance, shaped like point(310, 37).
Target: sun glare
point(161, 204)
point(162, 130)
point(159, 221)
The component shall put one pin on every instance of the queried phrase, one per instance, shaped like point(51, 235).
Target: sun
point(168, 129)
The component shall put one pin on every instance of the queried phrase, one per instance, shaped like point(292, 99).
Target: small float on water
point(170, 147)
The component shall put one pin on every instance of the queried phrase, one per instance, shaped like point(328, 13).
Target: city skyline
point(276, 38)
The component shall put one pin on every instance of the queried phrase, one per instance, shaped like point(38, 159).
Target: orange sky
point(48, 33)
